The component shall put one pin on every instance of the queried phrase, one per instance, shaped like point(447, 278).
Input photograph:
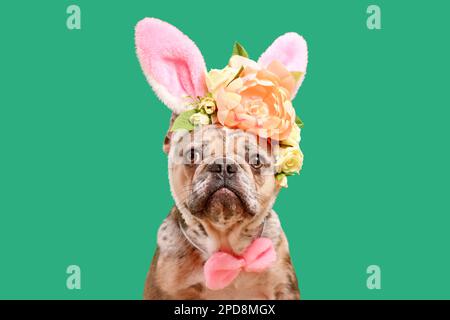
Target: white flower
point(290, 160)
point(281, 180)
point(208, 104)
point(199, 119)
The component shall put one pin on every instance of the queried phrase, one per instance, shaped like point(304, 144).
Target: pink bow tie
point(222, 268)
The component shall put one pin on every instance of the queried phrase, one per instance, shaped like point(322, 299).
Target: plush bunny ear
point(291, 50)
point(172, 63)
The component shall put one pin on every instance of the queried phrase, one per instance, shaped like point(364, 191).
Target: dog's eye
point(193, 156)
point(255, 161)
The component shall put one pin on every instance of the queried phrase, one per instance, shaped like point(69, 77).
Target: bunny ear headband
point(253, 96)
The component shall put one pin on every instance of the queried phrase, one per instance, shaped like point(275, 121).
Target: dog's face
point(222, 175)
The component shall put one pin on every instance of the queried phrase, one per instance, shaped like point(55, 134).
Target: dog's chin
point(225, 202)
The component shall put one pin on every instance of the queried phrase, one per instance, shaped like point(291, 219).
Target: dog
point(222, 183)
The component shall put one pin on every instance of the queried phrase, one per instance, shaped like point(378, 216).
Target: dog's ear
point(291, 50)
point(168, 137)
point(172, 63)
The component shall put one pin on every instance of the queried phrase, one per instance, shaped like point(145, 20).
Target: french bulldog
point(221, 179)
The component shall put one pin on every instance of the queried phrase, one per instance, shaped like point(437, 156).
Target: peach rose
point(253, 98)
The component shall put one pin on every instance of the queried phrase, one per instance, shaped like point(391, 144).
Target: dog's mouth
point(223, 198)
point(225, 202)
point(224, 194)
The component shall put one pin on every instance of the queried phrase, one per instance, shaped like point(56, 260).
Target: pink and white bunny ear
point(172, 63)
point(291, 50)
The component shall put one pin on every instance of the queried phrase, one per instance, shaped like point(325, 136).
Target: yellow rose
point(216, 79)
point(199, 119)
point(294, 137)
point(290, 160)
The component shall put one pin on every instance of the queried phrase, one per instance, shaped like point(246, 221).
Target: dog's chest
point(180, 265)
point(247, 286)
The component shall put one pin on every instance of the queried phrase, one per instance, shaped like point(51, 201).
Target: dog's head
point(222, 175)
point(218, 173)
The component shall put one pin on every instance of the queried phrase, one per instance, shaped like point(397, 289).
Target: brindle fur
point(228, 221)
point(176, 269)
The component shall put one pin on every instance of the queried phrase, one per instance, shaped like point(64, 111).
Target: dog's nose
point(215, 167)
point(221, 166)
point(231, 169)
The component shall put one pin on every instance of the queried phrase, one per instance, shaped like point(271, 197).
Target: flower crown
point(248, 95)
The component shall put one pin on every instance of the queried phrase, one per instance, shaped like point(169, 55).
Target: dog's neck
point(208, 238)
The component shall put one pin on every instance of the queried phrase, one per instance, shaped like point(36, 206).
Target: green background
point(83, 179)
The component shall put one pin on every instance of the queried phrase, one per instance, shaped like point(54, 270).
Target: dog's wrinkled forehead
point(216, 141)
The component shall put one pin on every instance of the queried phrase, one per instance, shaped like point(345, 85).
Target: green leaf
point(182, 121)
point(239, 50)
point(299, 122)
point(237, 74)
point(297, 75)
point(290, 174)
point(279, 176)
